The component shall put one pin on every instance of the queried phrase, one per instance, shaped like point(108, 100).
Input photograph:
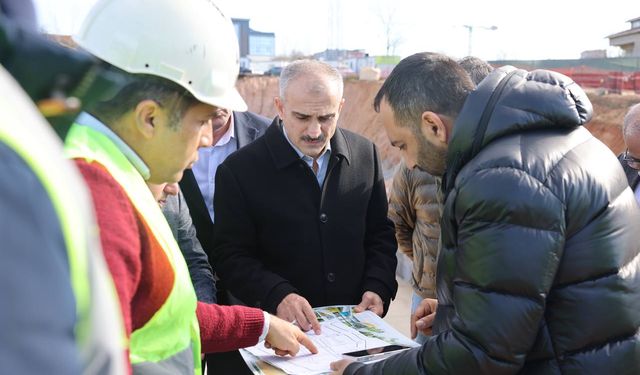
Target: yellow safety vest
point(99, 329)
point(169, 343)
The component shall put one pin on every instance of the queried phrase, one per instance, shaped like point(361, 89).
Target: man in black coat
point(539, 271)
point(301, 214)
point(630, 159)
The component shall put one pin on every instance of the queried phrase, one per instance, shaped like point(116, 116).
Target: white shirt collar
point(229, 134)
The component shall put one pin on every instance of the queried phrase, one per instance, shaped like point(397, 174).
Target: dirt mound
point(608, 113)
point(358, 114)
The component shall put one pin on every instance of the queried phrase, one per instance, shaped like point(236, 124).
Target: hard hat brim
point(232, 100)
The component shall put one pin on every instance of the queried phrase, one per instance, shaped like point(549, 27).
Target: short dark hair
point(141, 87)
point(477, 68)
point(425, 82)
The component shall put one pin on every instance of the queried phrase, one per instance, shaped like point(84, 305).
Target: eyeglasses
point(634, 163)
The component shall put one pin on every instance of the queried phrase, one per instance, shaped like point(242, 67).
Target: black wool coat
point(278, 232)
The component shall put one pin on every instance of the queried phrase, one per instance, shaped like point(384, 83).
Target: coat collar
point(284, 155)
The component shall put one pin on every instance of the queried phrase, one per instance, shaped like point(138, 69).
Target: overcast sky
point(540, 29)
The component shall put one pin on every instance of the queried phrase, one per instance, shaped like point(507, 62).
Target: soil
point(608, 113)
point(358, 114)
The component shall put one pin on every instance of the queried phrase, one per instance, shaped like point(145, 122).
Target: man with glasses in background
point(630, 159)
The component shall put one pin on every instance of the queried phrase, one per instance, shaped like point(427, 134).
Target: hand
point(370, 301)
point(294, 308)
point(285, 338)
point(422, 318)
point(339, 366)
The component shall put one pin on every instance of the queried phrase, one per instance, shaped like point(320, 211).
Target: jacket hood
point(510, 101)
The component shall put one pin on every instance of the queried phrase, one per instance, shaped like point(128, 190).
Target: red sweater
point(142, 273)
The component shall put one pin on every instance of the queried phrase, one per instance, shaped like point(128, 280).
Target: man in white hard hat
point(183, 61)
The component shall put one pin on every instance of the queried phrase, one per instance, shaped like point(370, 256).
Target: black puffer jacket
point(539, 270)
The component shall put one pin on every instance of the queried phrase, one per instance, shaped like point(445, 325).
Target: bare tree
point(387, 15)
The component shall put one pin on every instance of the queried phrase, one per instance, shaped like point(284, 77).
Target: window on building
point(261, 45)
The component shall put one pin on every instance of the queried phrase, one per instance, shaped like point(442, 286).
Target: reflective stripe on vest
point(163, 343)
point(99, 330)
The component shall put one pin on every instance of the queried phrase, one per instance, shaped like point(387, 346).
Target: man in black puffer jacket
point(539, 272)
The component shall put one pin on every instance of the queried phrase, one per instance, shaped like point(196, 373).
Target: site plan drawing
point(342, 331)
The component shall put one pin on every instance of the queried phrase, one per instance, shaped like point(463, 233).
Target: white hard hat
point(190, 42)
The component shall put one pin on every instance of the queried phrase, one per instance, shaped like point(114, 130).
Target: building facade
point(628, 40)
point(256, 48)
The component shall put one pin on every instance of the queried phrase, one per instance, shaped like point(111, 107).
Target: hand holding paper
point(339, 366)
point(295, 308)
point(422, 319)
point(372, 302)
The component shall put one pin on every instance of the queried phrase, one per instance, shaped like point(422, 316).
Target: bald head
point(317, 76)
point(631, 123)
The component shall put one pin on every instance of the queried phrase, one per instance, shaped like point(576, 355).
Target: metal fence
point(611, 74)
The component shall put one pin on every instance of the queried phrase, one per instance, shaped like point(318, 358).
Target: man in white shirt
point(231, 131)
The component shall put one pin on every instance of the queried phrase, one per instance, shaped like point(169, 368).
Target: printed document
point(343, 331)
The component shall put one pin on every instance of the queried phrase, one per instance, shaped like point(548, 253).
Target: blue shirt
point(322, 160)
point(209, 158)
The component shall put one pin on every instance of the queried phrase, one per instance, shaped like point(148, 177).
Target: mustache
point(307, 138)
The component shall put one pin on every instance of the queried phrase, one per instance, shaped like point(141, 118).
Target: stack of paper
point(342, 331)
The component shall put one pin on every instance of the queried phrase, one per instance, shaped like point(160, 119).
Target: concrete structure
point(594, 54)
point(616, 64)
point(369, 74)
point(339, 54)
point(348, 62)
point(628, 40)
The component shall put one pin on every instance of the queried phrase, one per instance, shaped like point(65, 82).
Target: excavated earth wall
point(358, 114)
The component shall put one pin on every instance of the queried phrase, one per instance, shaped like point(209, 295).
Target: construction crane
point(470, 29)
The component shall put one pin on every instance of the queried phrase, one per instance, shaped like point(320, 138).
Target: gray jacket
point(177, 214)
